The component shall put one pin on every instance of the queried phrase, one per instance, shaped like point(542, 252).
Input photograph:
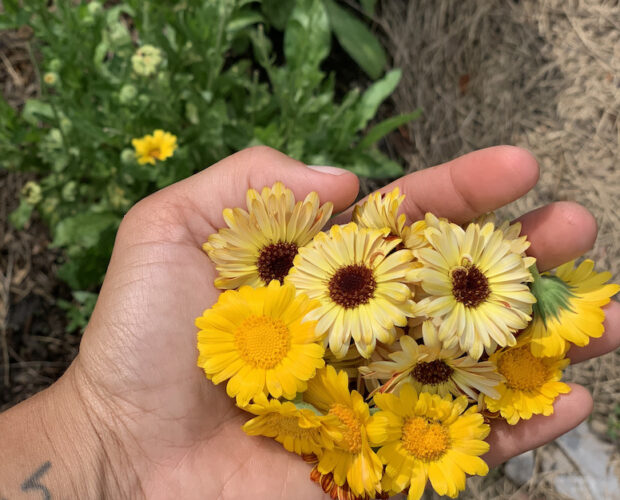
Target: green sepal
point(300, 404)
point(552, 295)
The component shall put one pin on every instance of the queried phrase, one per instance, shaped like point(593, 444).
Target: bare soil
point(35, 348)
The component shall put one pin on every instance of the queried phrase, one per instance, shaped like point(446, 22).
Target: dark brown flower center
point(432, 373)
point(469, 286)
point(352, 286)
point(275, 261)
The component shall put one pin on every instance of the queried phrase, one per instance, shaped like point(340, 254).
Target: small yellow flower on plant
point(569, 308)
point(259, 340)
point(259, 245)
point(531, 384)
point(352, 460)
point(300, 430)
point(426, 437)
point(50, 78)
point(159, 146)
point(360, 283)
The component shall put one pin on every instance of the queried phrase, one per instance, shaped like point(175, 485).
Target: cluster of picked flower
point(381, 351)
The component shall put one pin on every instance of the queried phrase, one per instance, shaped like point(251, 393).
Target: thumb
point(224, 185)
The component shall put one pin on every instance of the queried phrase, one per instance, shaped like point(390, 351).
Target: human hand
point(166, 430)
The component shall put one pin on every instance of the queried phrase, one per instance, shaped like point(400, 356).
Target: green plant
point(79, 311)
point(213, 79)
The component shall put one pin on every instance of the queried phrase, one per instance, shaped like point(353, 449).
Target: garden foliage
point(225, 75)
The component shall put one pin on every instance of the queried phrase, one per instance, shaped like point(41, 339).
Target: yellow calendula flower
point(512, 233)
point(433, 369)
point(352, 460)
point(531, 384)
point(426, 437)
point(259, 245)
point(569, 308)
point(259, 340)
point(476, 285)
point(360, 283)
point(299, 430)
point(380, 210)
point(159, 146)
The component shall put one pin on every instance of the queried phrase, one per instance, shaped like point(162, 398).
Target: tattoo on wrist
point(33, 483)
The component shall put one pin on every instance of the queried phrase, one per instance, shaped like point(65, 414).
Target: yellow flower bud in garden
point(55, 65)
point(145, 60)
point(127, 93)
point(94, 8)
point(128, 157)
point(50, 78)
point(31, 192)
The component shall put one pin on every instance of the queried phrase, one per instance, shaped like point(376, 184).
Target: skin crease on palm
point(176, 434)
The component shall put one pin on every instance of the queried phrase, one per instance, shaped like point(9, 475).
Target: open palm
point(176, 435)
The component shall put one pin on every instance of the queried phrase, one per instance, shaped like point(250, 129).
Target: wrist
point(59, 445)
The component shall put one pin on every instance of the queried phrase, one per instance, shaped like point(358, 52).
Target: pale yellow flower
point(146, 59)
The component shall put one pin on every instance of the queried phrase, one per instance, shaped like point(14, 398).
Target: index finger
point(467, 187)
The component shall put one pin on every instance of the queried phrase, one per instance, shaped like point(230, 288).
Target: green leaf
point(243, 20)
point(357, 40)
point(79, 310)
point(307, 36)
point(375, 95)
point(368, 6)
point(374, 164)
point(21, 214)
point(300, 404)
point(383, 128)
point(34, 110)
point(277, 12)
point(83, 229)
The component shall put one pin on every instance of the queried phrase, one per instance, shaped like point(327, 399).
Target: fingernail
point(328, 170)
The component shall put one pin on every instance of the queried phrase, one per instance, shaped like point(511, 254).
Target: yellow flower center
point(351, 427)
point(155, 153)
point(263, 342)
point(425, 440)
point(523, 371)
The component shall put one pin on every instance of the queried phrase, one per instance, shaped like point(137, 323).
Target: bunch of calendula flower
point(380, 351)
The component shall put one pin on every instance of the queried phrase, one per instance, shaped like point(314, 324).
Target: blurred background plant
point(220, 76)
